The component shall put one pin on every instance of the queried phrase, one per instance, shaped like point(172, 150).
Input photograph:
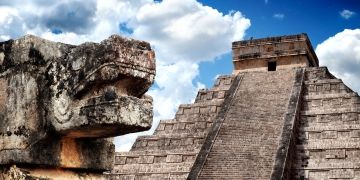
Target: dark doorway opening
point(272, 66)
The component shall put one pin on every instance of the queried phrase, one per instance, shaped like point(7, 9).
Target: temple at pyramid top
point(272, 53)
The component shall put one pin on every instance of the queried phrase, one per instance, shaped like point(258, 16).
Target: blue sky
point(320, 19)
point(192, 38)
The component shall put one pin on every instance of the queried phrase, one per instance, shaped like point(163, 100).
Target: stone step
point(184, 127)
point(223, 82)
point(339, 127)
point(154, 168)
point(328, 155)
point(149, 176)
point(336, 164)
point(330, 101)
point(158, 152)
point(196, 117)
point(316, 73)
point(205, 95)
point(176, 165)
point(329, 121)
point(322, 81)
point(331, 110)
point(325, 86)
point(340, 174)
point(170, 142)
point(154, 157)
point(332, 134)
point(210, 107)
point(353, 143)
point(347, 95)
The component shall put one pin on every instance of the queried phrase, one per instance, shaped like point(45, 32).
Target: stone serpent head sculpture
point(59, 102)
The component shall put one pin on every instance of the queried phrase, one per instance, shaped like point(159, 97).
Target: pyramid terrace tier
point(318, 73)
point(170, 142)
point(199, 108)
point(327, 86)
point(205, 95)
point(184, 127)
point(217, 92)
point(162, 156)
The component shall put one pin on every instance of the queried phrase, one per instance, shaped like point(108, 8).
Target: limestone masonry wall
point(327, 144)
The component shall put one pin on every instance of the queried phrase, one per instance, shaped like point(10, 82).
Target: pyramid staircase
point(253, 133)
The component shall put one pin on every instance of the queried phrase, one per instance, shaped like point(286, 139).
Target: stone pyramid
point(278, 116)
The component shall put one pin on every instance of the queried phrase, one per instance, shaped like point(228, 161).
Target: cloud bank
point(183, 33)
point(341, 54)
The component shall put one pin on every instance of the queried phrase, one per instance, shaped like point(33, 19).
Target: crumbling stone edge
point(210, 138)
point(281, 169)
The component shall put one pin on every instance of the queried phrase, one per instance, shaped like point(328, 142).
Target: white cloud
point(182, 32)
point(175, 87)
point(346, 14)
point(279, 16)
point(93, 20)
point(188, 30)
point(73, 16)
point(11, 23)
point(341, 54)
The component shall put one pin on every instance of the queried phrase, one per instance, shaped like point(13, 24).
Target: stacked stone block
point(327, 144)
point(171, 151)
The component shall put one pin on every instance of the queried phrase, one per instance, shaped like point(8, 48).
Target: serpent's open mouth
point(111, 109)
point(96, 82)
point(102, 94)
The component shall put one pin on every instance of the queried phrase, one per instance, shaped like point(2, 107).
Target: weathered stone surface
point(59, 102)
point(17, 173)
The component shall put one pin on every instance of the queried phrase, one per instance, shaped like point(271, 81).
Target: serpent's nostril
point(110, 95)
